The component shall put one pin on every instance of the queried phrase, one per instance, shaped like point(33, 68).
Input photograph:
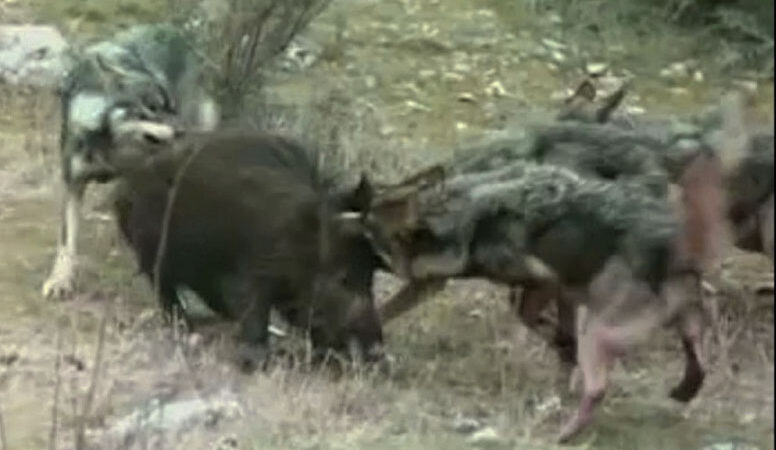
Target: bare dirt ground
point(462, 360)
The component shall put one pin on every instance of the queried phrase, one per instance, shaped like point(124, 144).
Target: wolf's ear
point(364, 193)
point(396, 214)
point(612, 102)
point(423, 179)
point(111, 71)
point(585, 91)
point(396, 208)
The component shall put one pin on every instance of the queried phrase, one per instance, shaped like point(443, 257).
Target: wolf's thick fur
point(560, 235)
point(142, 86)
point(654, 152)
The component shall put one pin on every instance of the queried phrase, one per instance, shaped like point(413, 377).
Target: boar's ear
point(363, 193)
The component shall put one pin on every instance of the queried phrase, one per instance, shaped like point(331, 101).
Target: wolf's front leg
point(61, 281)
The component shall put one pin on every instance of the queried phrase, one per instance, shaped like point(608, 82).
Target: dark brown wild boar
point(255, 224)
point(614, 247)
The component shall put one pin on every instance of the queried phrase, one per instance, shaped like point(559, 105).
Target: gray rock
point(466, 425)
point(159, 418)
point(33, 55)
point(485, 438)
point(731, 445)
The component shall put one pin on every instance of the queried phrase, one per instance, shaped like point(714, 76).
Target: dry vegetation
point(70, 370)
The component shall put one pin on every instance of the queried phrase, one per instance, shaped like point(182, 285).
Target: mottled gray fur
point(538, 196)
point(141, 86)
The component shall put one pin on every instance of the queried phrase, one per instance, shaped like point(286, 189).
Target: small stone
point(731, 445)
point(679, 69)
point(555, 19)
point(486, 437)
point(462, 67)
point(748, 85)
point(227, 443)
point(460, 126)
point(550, 404)
point(452, 76)
point(552, 67)
point(466, 425)
point(678, 91)
point(427, 73)
point(561, 95)
point(558, 56)
point(466, 97)
point(553, 45)
point(370, 82)
point(415, 106)
point(195, 340)
point(596, 69)
point(496, 89)
point(387, 130)
point(697, 76)
point(476, 314)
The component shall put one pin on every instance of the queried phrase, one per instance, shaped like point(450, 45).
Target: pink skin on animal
point(602, 343)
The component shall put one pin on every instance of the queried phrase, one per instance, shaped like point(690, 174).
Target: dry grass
point(460, 356)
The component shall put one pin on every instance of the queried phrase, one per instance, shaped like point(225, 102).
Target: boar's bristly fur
point(254, 224)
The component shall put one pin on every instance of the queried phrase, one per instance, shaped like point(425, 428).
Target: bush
point(239, 38)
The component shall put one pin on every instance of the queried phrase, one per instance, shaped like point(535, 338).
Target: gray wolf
point(141, 86)
point(633, 258)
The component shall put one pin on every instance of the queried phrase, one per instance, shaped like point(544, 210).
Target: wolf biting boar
point(138, 87)
point(629, 256)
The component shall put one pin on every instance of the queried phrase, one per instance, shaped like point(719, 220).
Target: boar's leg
point(411, 295)
point(251, 306)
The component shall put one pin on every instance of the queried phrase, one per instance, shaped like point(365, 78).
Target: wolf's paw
point(61, 282)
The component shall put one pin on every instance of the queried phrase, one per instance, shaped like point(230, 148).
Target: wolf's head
point(118, 107)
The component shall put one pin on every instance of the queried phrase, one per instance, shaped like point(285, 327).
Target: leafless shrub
point(239, 38)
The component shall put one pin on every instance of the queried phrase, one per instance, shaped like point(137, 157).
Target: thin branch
point(167, 218)
point(3, 443)
point(57, 389)
point(80, 443)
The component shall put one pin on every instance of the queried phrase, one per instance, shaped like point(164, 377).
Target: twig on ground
point(80, 434)
point(57, 389)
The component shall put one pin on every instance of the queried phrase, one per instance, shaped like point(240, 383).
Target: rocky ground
point(412, 80)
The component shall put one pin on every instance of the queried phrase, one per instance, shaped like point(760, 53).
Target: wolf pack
point(591, 212)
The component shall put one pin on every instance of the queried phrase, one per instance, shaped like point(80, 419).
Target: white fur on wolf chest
point(32, 55)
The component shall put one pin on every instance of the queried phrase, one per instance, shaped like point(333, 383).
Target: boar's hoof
point(251, 357)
